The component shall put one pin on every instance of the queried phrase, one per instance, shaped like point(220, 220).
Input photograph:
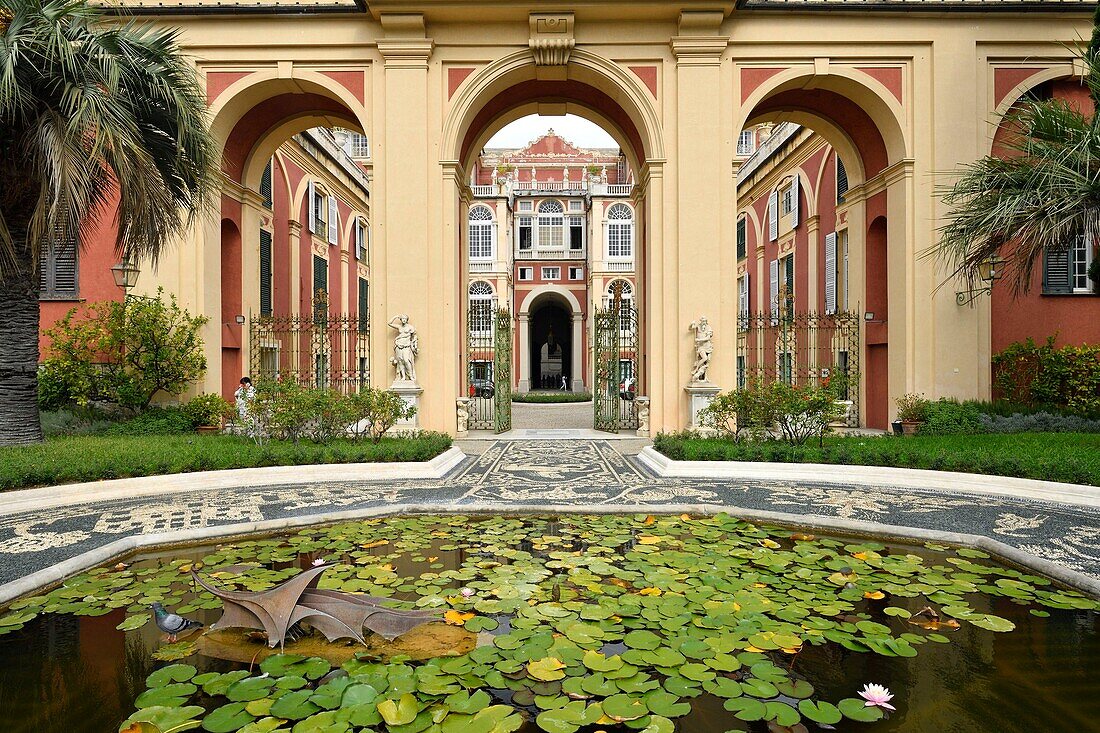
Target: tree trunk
point(19, 420)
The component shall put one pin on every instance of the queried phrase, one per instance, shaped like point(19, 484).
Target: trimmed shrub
point(1037, 422)
point(950, 417)
point(155, 421)
point(207, 410)
point(1066, 378)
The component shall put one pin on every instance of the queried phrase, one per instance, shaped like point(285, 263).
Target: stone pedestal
point(700, 395)
point(409, 392)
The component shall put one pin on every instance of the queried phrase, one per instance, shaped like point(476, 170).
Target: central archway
point(602, 92)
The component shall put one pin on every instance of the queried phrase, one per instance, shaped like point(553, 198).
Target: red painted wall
point(1074, 319)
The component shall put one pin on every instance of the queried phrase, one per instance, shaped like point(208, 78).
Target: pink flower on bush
point(876, 696)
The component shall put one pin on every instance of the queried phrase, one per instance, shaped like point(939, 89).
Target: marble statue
point(704, 346)
point(406, 346)
point(641, 404)
point(462, 407)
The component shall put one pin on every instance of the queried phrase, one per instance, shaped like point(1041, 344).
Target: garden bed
point(1068, 457)
point(70, 459)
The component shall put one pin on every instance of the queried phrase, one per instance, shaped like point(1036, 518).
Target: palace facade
point(687, 212)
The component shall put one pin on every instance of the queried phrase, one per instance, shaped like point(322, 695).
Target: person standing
point(243, 397)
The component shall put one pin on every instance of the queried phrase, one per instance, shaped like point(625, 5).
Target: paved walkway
point(39, 545)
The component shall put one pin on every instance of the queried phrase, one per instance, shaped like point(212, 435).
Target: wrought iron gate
point(616, 367)
point(489, 366)
point(318, 349)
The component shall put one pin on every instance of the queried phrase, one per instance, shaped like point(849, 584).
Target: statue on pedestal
point(704, 346)
point(406, 346)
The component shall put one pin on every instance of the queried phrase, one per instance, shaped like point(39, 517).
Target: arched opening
point(551, 345)
point(566, 214)
point(821, 192)
point(293, 250)
point(1059, 282)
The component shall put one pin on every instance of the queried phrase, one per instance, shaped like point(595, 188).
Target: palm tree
point(96, 114)
point(1041, 194)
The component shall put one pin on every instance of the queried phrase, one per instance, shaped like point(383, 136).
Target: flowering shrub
point(290, 411)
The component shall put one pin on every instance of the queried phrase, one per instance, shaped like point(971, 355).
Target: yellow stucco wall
point(407, 56)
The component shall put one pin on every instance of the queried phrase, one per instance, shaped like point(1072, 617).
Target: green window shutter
point(265, 273)
point(364, 305)
point(841, 180)
point(320, 275)
point(742, 238)
point(1056, 271)
point(58, 270)
point(265, 185)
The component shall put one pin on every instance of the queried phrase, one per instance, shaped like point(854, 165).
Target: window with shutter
point(773, 301)
point(841, 180)
point(320, 276)
point(795, 196)
point(743, 302)
point(844, 269)
point(265, 185)
point(1056, 272)
point(773, 216)
point(312, 198)
point(58, 270)
point(788, 282)
point(830, 273)
point(265, 273)
point(742, 237)
point(333, 220)
point(364, 305)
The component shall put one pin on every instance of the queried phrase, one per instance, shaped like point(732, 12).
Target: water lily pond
point(564, 624)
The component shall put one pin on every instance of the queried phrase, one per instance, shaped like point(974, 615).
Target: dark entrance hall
point(551, 347)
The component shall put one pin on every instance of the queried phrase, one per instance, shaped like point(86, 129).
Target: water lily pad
point(295, 705)
point(819, 711)
point(252, 688)
point(227, 718)
point(856, 709)
point(134, 622)
point(172, 652)
point(400, 711)
point(170, 695)
point(746, 708)
point(171, 673)
point(168, 718)
point(991, 623)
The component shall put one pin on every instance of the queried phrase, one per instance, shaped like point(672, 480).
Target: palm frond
point(97, 113)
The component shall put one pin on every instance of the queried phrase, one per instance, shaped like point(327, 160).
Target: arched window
point(481, 306)
point(551, 225)
point(620, 232)
point(626, 302)
point(481, 233)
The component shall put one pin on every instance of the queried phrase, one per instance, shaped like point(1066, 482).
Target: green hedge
point(549, 398)
point(1070, 457)
point(71, 459)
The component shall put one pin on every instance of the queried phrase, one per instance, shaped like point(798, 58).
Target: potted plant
point(912, 411)
point(207, 412)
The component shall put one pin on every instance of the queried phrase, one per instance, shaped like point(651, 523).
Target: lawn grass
point(549, 398)
point(76, 458)
point(1070, 457)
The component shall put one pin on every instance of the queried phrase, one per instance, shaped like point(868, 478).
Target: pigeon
point(172, 624)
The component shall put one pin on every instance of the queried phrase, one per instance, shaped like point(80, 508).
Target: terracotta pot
point(910, 427)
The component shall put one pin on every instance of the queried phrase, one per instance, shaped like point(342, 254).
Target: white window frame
point(551, 226)
point(576, 205)
point(482, 298)
point(576, 273)
point(521, 222)
point(788, 196)
point(481, 233)
point(362, 238)
point(318, 210)
point(831, 271)
point(1080, 258)
point(550, 273)
point(743, 306)
point(626, 297)
point(746, 143)
point(527, 205)
point(773, 216)
point(529, 271)
point(619, 233)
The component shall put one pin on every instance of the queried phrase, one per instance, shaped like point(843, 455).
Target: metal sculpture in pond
point(335, 614)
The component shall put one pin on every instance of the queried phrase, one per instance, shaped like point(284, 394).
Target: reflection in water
point(68, 674)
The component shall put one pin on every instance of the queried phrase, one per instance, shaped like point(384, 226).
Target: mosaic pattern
point(529, 474)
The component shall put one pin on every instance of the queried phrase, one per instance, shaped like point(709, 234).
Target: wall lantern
point(988, 271)
point(126, 274)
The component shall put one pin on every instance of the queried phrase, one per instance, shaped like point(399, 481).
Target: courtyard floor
point(46, 544)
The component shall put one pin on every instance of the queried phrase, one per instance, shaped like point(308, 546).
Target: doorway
point(551, 347)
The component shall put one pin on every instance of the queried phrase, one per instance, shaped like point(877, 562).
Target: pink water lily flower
point(467, 592)
point(318, 562)
point(876, 696)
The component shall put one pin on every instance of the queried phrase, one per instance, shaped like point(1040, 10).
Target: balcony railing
point(595, 188)
point(484, 190)
point(482, 266)
point(621, 266)
point(550, 254)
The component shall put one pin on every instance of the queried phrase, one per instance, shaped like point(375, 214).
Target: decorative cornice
point(551, 38)
point(699, 41)
point(405, 44)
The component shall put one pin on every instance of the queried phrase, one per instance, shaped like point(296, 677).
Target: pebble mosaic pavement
point(525, 475)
